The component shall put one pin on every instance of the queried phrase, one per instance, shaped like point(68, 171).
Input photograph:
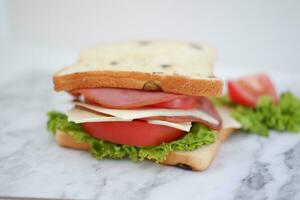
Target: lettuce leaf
point(198, 136)
point(284, 116)
point(222, 101)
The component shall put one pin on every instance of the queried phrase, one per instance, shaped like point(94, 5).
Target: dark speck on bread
point(157, 73)
point(166, 66)
point(184, 166)
point(152, 86)
point(185, 69)
point(195, 46)
point(113, 63)
point(144, 42)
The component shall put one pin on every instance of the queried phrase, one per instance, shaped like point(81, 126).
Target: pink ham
point(124, 98)
point(132, 99)
point(205, 106)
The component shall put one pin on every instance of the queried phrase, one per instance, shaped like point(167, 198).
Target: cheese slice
point(185, 126)
point(146, 112)
point(78, 115)
point(227, 120)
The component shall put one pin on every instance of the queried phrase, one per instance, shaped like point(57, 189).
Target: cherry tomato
point(247, 90)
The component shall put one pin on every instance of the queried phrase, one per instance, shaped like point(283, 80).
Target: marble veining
point(32, 165)
point(291, 188)
point(253, 185)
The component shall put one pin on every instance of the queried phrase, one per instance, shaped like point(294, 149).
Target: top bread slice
point(169, 66)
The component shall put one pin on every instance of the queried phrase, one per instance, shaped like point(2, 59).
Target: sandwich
point(144, 100)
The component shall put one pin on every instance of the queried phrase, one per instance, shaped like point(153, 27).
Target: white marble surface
point(32, 165)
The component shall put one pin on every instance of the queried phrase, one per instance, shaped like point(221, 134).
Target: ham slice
point(205, 105)
point(132, 99)
point(124, 98)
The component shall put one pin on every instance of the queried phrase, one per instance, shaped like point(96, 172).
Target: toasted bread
point(66, 140)
point(198, 160)
point(169, 66)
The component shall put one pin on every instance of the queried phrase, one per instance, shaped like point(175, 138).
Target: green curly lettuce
point(222, 101)
point(284, 116)
point(198, 136)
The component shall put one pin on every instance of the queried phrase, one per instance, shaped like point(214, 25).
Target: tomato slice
point(135, 133)
point(247, 90)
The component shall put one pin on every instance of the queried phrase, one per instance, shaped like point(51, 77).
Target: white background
point(247, 33)
point(257, 35)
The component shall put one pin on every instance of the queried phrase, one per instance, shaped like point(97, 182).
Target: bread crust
point(201, 158)
point(197, 160)
point(139, 80)
point(66, 140)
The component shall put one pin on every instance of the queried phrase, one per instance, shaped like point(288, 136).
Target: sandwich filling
point(138, 124)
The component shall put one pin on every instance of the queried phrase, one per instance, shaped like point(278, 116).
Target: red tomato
point(136, 133)
point(180, 103)
point(247, 90)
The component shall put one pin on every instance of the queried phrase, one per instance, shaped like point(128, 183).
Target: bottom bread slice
point(201, 158)
point(198, 160)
